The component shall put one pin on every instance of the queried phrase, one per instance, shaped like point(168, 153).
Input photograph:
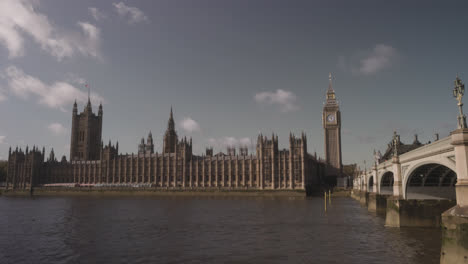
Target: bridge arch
point(386, 183)
point(430, 180)
point(370, 183)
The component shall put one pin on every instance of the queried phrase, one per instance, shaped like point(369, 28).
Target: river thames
point(204, 230)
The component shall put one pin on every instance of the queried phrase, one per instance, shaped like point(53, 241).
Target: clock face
point(331, 118)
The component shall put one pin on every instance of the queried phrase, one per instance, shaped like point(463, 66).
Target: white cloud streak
point(96, 14)
point(2, 139)
point(57, 129)
point(286, 100)
point(133, 14)
point(58, 95)
point(381, 57)
point(19, 18)
point(189, 125)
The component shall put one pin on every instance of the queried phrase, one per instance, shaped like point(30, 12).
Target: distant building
point(400, 147)
point(148, 147)
point(175, 167)
point(86, 133)
point(93, 163)
point(331, 118)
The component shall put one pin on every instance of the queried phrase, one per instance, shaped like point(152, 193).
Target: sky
point(230, 70)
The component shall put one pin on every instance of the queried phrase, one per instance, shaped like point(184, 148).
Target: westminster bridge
point(423, 186)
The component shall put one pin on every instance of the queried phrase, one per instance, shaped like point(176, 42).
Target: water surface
point(204, 230)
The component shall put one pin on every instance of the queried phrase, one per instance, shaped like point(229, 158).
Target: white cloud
point(97, 15)
point(134, 14)
point(245, 141)
point(57, 129)
point(370, 62)
point(19, 17)
point(189, 125)
point(380, 58)
point(92, 40)
point(2, 139)
point(285, 99)
point(229, 142)
point(58, 95)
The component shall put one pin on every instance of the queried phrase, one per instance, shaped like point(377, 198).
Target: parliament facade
point(94, 164)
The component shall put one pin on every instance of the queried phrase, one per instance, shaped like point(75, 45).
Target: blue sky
point(231, 69)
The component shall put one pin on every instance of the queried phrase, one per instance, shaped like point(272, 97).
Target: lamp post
point(458, 92)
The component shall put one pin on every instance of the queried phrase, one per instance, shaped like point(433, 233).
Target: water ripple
point(204, 230)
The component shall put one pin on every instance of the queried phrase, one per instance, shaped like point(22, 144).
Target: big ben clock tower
point(331, 118)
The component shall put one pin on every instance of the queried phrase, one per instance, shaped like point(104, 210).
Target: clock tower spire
point(331, 119)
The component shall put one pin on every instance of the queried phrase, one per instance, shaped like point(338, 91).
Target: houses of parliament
point(93, 164)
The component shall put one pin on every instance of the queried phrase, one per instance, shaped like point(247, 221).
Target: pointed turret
point(170, 123)
point(52, 155)
point(148, 148)
point(75, 108)
point(150, 138)
point(100, 110)
point(330, 92)
point(170, 137)
point(88, 107)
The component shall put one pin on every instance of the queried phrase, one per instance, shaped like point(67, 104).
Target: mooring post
point(325, 201)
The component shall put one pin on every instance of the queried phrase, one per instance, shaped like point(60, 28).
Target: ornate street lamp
point(458, 92)
point(396, 142)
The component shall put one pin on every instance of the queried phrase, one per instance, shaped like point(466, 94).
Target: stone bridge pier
point(455, 220)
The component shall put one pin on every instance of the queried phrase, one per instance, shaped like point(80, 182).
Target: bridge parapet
point(438, 147)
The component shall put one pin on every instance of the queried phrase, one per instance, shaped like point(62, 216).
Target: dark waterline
point(204, 230)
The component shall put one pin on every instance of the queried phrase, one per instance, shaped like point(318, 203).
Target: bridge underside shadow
point(431, 182)
point(430, 191)
point(386, 183)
